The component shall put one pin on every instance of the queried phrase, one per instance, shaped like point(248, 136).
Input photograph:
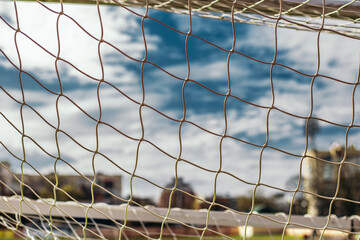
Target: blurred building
point(8, 182)
point(179, 199)
point(321, 177)
point(79, 187)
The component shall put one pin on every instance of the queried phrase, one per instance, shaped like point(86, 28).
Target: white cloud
point(121, 28)
point(298, 49)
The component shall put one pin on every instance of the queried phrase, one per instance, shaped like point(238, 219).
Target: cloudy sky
point(249, 81)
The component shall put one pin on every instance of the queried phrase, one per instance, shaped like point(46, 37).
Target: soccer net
point(179, 119)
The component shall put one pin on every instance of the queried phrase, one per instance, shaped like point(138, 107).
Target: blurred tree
point(243, 203)
point(264, 204)
point(299, 205)
point(45, 192)
point(71, 190)
point(226, 201)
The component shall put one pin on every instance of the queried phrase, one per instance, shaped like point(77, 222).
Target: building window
point(108, 184)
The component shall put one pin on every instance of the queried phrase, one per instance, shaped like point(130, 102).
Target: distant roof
point(351, 153)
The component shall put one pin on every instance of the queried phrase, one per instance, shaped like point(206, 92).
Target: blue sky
point(250, 81)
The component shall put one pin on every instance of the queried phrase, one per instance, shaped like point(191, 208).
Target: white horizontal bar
point(11, 205)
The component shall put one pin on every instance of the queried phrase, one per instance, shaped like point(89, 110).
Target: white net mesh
point(121, 121)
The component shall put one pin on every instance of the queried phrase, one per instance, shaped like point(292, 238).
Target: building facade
point(328, 174)
point(107, 188)
point(179, 199)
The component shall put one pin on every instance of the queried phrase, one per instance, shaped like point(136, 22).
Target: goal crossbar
point(293, 14)
point(336, 9)
point(15, 205)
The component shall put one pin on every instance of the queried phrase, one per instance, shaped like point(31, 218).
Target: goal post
point(204, 120)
